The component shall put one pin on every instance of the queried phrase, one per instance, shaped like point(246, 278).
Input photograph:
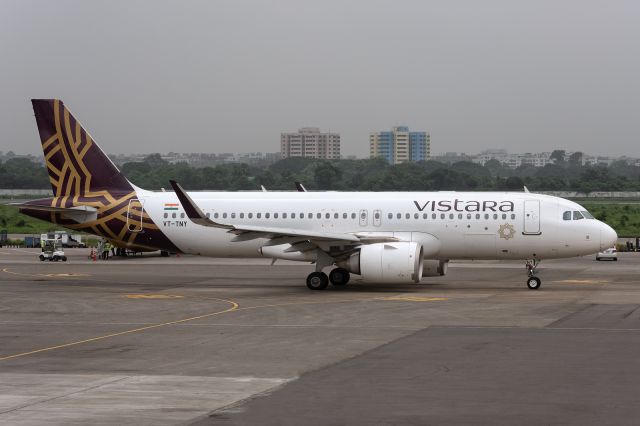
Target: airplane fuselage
point(468, 225)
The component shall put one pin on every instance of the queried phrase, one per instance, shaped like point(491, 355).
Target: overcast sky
point(229, 76)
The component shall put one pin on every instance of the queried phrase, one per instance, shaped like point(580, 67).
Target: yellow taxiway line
point(234, 306)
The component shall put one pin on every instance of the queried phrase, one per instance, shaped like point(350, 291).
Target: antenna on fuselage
point(526, 189)
point(300, 187)
point(263, 188)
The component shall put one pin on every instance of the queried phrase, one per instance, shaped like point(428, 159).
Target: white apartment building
point(310, 142)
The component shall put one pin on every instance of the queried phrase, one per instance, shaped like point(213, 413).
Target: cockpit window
point(577, 215)
point(586, 214)
point(566, 215)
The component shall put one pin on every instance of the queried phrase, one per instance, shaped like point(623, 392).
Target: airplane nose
point(608, 237)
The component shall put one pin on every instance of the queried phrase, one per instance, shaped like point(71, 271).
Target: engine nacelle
point(397, 262)
point(435, 268)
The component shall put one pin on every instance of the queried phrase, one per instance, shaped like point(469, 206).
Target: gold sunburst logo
point(507, 231)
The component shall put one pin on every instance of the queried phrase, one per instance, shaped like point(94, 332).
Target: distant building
point(513, 161)
point(310, 142)
point(400, 145)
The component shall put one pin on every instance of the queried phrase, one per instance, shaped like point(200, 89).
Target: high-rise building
point(310, 142)
point(400, 145)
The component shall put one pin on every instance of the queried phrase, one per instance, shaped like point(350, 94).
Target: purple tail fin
point(76, 164)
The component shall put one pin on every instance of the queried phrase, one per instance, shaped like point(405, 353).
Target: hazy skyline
point(229, 76)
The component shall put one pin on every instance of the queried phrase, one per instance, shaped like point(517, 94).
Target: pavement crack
point(42, 401)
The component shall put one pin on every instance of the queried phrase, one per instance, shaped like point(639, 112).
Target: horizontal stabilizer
point(79, 214)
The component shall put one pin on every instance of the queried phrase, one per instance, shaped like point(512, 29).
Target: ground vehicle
point(610, 254)
point(68, 240)
point(52, 251)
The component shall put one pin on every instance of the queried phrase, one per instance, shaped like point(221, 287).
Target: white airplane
point(385, 237)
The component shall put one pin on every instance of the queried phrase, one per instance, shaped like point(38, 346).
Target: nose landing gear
point(533, 282)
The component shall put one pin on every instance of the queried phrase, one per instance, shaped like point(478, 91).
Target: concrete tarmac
point(189, 340)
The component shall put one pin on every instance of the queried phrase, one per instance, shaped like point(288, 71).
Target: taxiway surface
point(213, 341)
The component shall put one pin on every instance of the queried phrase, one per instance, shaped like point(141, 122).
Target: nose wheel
point(533, 282)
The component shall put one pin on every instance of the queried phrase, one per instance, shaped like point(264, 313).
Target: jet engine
point(397, 262)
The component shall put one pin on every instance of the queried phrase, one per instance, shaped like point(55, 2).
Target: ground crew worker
point(42, 244)
point(105, 250)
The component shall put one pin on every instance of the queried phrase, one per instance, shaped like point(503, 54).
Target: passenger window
point(344, 216)
point(336, 215)
point(495, 216)
point(258, 215)
point(468, 215)
point(477, 215)
point(233, 215)
point(250, 215)
point(407, 215)
point(459, 215)
point(267, 215)
point(504, 215)
point(425, 216)
point(327, 215)
point(241, 215)
point(566, 215)
point(208, 215)
point(390, 215)
point(513, 215)
point(275, 215)
point(486, 216)
point(399, 215)
point(433, 216)
point(224, 215)
point(319, 215)
point(451, 215)
point(442, 215)
point(216, 215)
point(182, 215)
point(173, 215)
point(284, 215)
point(310, 215)
point(166, 215)
point(377, 215)
point(577, 215)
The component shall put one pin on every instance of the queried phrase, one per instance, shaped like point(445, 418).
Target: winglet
point(192, 210)
point(300, 187)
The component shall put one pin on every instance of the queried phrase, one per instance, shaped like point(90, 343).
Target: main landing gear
point(319, 280)
point(533, 282)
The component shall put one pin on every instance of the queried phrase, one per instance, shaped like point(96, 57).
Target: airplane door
point(134, 215)
point(364, 218)
point(377, 217)
point(532, 217)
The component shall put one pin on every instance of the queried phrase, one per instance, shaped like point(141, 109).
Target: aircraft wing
point(275, 234)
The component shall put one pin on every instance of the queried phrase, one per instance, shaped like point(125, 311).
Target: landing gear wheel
point(317, 281)
point(533, 283)
point(339, 276)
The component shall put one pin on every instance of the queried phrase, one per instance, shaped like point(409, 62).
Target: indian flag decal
point(170, 206)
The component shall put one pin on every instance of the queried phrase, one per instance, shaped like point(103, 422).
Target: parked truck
point(67, 240)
